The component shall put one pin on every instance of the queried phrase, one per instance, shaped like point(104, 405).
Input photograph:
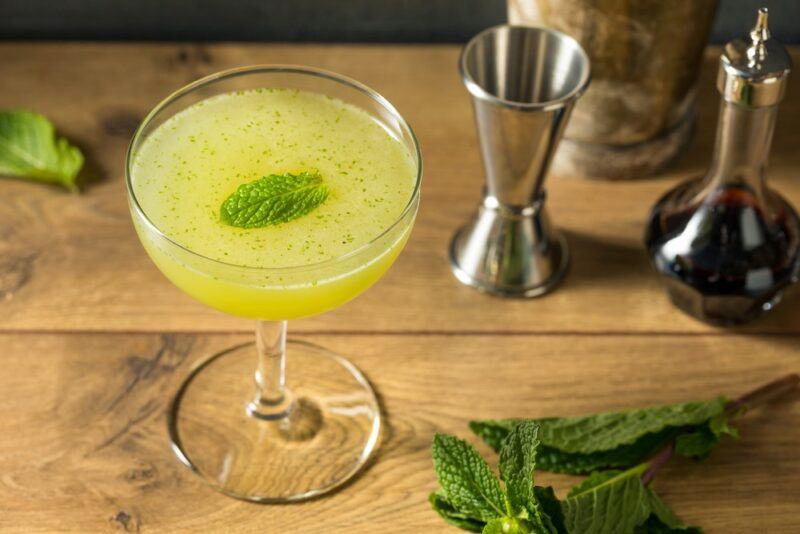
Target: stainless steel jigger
point(523, 82)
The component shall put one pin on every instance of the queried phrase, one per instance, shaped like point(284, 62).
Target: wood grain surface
point(83, 446)
point(93, 340)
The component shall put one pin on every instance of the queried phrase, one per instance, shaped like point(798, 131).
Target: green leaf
point(493, 432)
point(662, 519)
point(624, 456)
point(550, 506)
point(30, 149)
point(611, 502)
point(700, 442)
point(517, 463)
point(618, 502)
point(449, 513)
point(274, 199)
point(618, 439)
point(466, 479)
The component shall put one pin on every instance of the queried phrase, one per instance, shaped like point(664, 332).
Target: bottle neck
point(743, 140)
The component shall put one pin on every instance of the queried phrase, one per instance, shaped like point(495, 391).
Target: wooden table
point(93, 340)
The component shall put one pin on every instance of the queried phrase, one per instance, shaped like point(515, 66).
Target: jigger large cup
point(524, 82)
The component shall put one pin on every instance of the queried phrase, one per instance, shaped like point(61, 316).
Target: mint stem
point(756, 397)
point(765, 393)
point(657, 462)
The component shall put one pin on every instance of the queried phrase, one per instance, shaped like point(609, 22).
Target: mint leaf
point(466, 479)
point(700, 443)
point(493, 432)
point(611, 502)
point(624, 456)
point(619, 439)
point(550, 507)
point(274, 199)
point(29, 149)
point(517, 462)
point(662, 519)
point(618, 502)
point(450, 514)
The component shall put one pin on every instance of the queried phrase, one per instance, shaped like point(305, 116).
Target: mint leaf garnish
point(30, 149)
point(466, 479)
point(274, 199)
point(579, 445)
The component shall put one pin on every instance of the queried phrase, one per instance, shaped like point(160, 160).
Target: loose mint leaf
point(30, 149)
point(274, 199)
point(550, 506)
point(466, 479)
point(611, 502)
point(449, 513)
point(619, 439)
point(517, 462)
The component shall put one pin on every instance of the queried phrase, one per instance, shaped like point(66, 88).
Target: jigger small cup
point(523, 82)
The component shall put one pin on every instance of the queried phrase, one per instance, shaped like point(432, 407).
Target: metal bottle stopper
point(753, 72)
point(523, 82)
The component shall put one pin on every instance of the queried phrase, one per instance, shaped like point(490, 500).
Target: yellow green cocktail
point(188, 166)
point(274, 193)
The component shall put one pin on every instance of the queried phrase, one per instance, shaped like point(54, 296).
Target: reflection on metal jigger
point(524, 82)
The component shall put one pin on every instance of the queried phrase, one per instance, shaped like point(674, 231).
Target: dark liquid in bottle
point(724, 259)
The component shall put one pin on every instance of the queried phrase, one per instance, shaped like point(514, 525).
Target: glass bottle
point(727, 245)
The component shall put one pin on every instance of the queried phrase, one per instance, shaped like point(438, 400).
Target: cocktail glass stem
point(272, 400)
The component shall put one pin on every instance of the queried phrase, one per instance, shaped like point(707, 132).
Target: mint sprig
point(274, 199)
point(607, 502)
point(29, 149)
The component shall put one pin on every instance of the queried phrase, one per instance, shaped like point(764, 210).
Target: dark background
point(310, 20)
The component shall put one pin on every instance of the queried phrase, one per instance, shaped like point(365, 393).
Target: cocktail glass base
point(327, 434)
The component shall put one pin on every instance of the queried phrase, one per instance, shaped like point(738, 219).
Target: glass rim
point(274, 68)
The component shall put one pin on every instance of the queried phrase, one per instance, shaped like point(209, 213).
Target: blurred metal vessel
point(639, 112)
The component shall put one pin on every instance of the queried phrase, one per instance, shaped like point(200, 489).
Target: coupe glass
point(299, 426)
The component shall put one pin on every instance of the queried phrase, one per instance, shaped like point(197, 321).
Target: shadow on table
point(598, 261)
